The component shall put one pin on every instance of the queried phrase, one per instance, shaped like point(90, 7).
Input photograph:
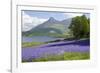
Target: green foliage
point(80, 27)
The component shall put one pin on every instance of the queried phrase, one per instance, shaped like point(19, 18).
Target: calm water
point(38, 39)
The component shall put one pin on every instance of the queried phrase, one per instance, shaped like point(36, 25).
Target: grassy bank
point(30, 44)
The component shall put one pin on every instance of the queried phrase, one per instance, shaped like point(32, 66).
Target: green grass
point(76, 56)
point(65, 56)
point(29, 44)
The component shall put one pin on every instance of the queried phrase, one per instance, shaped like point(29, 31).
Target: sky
point(31, 19)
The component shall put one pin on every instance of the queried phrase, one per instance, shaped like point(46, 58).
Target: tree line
point(80, 27)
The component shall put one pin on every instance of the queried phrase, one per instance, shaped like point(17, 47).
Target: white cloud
point(70, 15)
point(30, 22)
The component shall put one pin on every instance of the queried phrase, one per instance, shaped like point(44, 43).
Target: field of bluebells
point(62, 50)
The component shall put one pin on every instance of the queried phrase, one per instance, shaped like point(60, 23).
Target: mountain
point(48, 23)
point(50, 27)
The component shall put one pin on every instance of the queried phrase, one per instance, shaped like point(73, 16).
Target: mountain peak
point(51, 19)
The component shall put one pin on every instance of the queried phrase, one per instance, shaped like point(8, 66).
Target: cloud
point(70, 15)
point(29, 22)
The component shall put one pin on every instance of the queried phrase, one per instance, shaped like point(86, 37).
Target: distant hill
point(49, 28)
